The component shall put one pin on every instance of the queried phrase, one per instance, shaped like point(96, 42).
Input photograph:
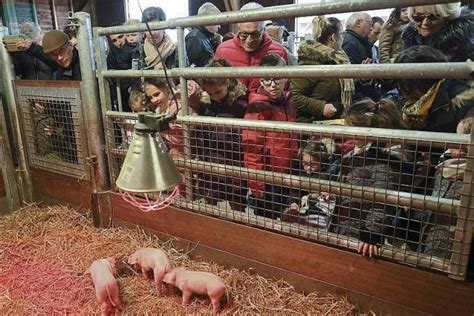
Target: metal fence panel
point(53, 129)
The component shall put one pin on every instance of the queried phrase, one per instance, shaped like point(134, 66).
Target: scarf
point(416, 114)
point(315, 53)
point(166, 48)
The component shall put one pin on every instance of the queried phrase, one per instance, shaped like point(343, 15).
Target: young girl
point(374, 165)
point(390, 37)
point(160, 100)
point(221, 144)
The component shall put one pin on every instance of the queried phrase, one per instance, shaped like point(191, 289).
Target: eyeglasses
point(419, 18)
point(254, 35)
point(268, 81)
point(63, 50)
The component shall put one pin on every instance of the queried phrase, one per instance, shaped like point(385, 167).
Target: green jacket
point(310, 95)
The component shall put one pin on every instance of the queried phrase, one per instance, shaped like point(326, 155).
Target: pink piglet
point(204, 283)
point(151, 259)
point(105, 284)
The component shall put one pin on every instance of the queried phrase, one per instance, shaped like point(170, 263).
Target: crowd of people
point(421, 34)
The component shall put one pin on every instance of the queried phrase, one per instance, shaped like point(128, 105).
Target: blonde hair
point(448, 11)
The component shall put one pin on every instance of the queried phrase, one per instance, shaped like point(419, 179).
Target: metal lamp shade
point(148, 167)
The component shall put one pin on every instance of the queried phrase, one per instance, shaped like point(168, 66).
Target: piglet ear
point(132, 260)
point(170, 277)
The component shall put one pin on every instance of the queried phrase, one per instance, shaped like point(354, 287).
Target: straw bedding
point(45, 250)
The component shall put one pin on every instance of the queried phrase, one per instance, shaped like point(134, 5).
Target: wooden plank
point(300, 282)
point(62, 188)
point(2, 186)
point(416, 289)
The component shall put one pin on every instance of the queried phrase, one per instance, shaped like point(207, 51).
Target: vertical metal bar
point(35, 12)
point(104, 91)
point(10, 16)
point(7, 167)
point(465, 218)
point(7, 75)
point(54, 15)
point(119, 94)
point(71, 6)
point(90, 102)
point(185, 110)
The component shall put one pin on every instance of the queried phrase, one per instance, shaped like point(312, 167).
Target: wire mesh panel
point(341, 188)
point(53, 127)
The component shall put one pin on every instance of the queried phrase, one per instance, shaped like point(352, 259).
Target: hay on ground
point(45, 250)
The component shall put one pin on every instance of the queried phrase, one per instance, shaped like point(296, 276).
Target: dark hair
point(377, 19)
point(160, 83)
point(228, 36)
point(218, 62)
point(70, 30)
point(367, 113)
point(419, 54)
point(394, 17)
point(153, 14)
point(333, 26)
point(272, 60)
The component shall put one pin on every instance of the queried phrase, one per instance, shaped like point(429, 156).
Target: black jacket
point(34, 64)
point(455, 39)
point(357, 48)
point(199, 46)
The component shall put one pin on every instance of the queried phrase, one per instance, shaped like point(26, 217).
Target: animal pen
point(424, 260)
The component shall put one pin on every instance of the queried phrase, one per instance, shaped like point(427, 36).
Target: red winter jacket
point(270, 150)
point(235, 54)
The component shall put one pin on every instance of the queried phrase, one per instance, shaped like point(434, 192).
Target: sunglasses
point(268, 81)
point(419, 18)
point(254, 35)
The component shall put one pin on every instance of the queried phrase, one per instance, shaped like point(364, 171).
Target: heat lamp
point(149, 178)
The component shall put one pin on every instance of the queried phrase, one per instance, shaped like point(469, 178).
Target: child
point(269, 150)
point(160, 100)
point(221, 144)
point(448, 184)
point(135, 101)
point(390, 36)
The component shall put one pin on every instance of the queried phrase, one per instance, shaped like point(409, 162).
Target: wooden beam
point(349, 272)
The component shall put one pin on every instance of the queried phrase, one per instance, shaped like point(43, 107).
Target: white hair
point(31, 30)
point(252, 6)
point(448, 11)
point(208, 8)
point(352, 20)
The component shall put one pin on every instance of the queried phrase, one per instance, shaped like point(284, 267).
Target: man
point(250, 45)
point(356, 44)
point(359, 50)
point(57, 44)
point(377, 23)
point(199, 42)
point(27, 65)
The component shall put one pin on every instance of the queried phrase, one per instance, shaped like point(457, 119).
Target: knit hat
point(53, 40)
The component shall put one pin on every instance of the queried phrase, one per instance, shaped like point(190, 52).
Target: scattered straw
point(45, 250)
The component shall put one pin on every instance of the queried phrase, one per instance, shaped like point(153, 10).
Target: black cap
point(153, 14)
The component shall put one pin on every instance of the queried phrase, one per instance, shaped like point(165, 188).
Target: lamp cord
point(155, 44)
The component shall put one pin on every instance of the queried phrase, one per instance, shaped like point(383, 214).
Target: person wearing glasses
point(251, 44)
point(269, 150)
point(447, 27)
point(356, 43)
point(57, 44)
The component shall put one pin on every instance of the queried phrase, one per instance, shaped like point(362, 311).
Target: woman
point(442, 26)
point(322, 99)
point(432, 104)
point(160, 99)
point(168, 52)
point(221, 144)
point(390, 37)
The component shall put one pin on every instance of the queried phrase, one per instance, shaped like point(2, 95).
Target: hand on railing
point(368, 249)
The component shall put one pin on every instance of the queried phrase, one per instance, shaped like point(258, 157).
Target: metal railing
point(444, 223)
